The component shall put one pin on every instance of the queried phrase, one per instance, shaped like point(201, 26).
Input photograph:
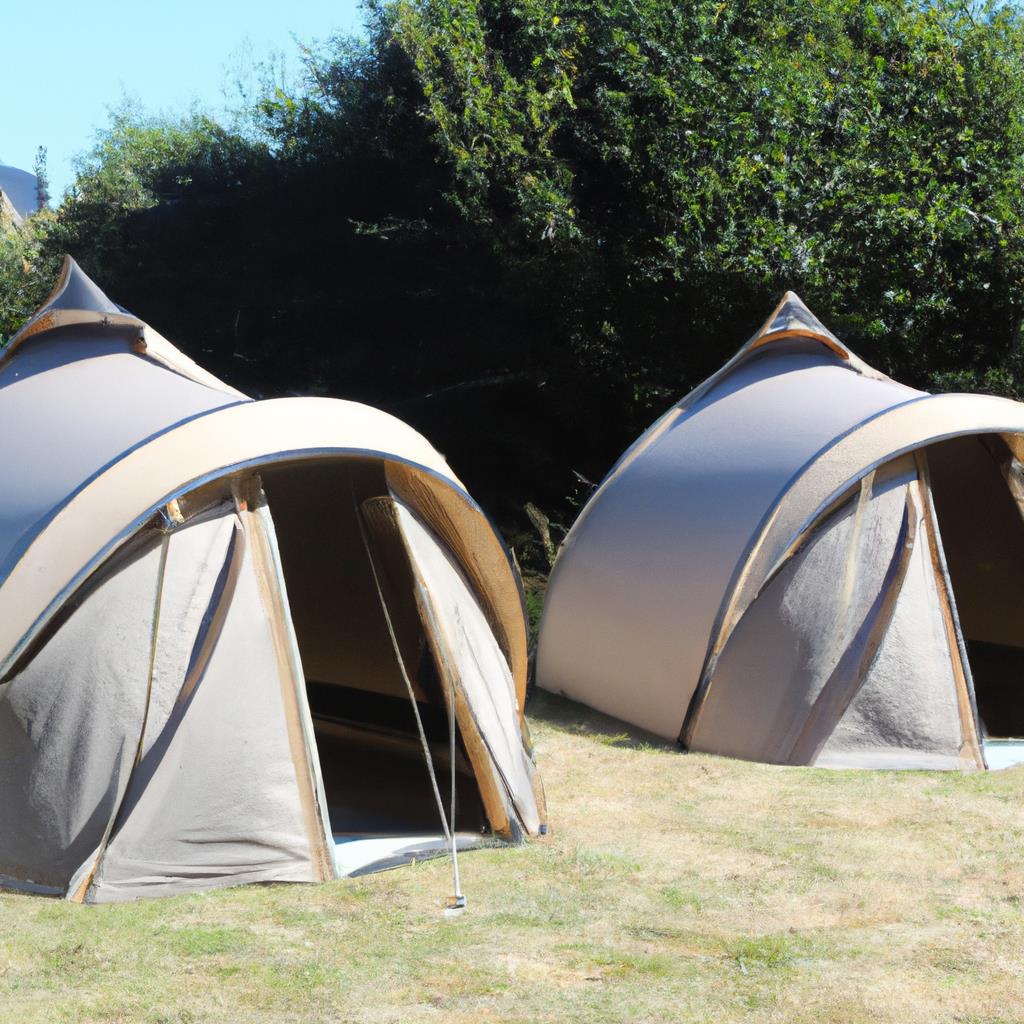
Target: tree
point(26, 273)
point(674, 167)
point(42, 179)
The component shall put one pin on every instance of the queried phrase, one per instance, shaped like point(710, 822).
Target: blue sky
point(66, 64)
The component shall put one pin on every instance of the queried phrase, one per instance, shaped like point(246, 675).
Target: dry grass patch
point(674, 888)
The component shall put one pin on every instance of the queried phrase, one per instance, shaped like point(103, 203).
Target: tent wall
point(905, 713)
point(221, 793)
point(790, 644)
point(845, 658)
point(912, 707)
point(147, 746)
point(71, 714)
point(639, 581)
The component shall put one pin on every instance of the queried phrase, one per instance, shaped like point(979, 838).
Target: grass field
point(673, 888)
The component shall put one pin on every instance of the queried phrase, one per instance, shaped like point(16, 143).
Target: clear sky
point(65, 64)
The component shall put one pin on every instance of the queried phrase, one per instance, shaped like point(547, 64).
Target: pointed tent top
point(76, 290)
point(789, 319)
point(76, 300)
point(792, 319)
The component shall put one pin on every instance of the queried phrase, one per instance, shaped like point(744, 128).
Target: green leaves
point(26, 273)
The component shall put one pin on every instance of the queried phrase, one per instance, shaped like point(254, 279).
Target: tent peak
point(77, 301)
point(792, 319)
point(76, 290)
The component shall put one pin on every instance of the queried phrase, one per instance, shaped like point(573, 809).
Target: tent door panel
point(906, 711)
point(386, 537)
point(473, 669)
point(790, 664)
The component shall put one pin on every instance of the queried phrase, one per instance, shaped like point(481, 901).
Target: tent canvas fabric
point(803, 562)
point(209, 608)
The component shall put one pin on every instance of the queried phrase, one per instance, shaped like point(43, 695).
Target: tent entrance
point(982, 531)
point(375, 777)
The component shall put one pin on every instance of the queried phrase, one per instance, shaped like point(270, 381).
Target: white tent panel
point(906, 714)
point(198, 557)
point(70, 721)
point(790, 642)
point(192, 818)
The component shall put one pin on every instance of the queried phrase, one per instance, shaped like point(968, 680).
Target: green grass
point(674, 888)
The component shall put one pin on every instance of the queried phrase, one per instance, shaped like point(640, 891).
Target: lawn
point(673, 888)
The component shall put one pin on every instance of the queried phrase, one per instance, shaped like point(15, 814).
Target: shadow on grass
point(569, 716)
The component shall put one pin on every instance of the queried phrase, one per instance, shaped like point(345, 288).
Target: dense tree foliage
point(26, 271)
point(526, 227)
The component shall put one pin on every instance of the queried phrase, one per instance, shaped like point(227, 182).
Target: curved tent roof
point(117, 447)
point(716, 501)
point(20, 188)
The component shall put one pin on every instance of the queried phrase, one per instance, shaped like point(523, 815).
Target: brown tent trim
point(828, 341)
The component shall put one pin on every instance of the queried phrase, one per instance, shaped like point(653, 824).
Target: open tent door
point(976, 482)
point(387, 626)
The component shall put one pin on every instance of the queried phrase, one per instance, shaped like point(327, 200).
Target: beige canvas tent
point(237, 638)
point(804, 562)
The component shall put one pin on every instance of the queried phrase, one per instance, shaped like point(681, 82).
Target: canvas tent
point(804, 562)
point(228, 629)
